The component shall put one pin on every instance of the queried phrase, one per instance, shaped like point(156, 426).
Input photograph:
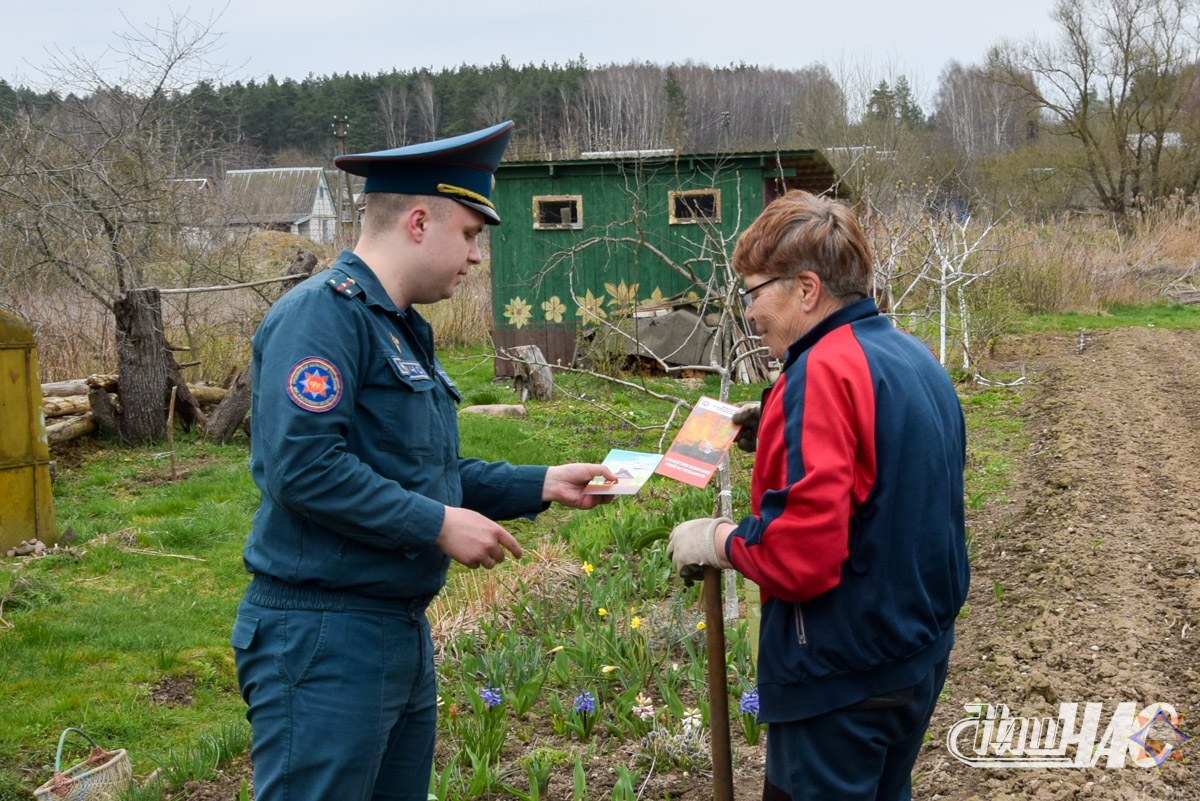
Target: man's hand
point(565, 484)
point(693, 545)
point(747, 417)
point(474, 540)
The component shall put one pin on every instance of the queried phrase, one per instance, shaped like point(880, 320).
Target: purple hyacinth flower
point(585, 702)
point(491, 696)
point(749, 703)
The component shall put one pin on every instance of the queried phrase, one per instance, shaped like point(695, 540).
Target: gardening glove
point(747, 417)
point(691, 547)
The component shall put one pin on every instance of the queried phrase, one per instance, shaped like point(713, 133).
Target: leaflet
point(700, 445)
point(632, 469)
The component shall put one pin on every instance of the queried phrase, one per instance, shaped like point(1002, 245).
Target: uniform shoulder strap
point(343, 284)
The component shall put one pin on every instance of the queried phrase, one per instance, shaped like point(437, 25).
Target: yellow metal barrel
point(26, 502)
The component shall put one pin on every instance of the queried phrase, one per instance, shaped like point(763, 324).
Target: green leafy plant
point(748, 708)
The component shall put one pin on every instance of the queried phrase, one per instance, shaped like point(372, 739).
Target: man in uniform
point(856, 537)
point(365, 496)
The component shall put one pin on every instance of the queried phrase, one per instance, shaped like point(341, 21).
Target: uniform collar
point(858, 310)
point(365, 277)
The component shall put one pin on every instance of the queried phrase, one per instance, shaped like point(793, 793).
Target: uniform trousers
point(864, 752)
point(342, 704)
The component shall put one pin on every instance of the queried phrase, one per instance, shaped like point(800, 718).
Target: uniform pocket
point(244, 629)
point(402, 392)
point(302, 636)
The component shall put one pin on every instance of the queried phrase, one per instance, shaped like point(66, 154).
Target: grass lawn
point(125, 633)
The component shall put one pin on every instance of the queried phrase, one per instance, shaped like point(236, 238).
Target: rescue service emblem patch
point(315, 384)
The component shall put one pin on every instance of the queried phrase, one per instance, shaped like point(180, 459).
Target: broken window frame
point(577, 218)
point(674, 198)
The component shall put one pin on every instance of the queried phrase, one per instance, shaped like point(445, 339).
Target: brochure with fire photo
point(701, 444)
point(632, 469)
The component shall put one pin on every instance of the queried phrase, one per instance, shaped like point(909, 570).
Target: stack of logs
point(68, 410)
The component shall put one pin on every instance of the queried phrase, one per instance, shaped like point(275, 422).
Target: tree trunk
point(533, 374)
point(78, 386)
point(70, 428)
point(61, 407)
point(206, 394)
point(144, 382)
point(104, 413)
point(187, 408)
point(302, 267)
point(232, 410)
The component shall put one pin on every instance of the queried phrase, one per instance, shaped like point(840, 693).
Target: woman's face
point(777, 310)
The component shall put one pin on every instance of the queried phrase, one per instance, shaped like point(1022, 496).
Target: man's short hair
point(800, 232)
point(385, 208)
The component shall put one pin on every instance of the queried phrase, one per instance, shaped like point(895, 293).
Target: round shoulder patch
point(315, 384)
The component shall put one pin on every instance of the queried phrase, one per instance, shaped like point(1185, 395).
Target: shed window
point(694, 206)
point(554, 212)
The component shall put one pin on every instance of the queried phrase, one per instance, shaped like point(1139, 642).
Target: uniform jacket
point(857, 538)
point(355, 444)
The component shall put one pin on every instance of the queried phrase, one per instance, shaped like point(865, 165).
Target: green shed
point(610, 232)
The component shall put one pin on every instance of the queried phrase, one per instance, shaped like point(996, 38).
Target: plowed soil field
point(1085, 585)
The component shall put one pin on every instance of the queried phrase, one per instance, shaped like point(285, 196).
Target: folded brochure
point(700, 445)
point(632, 469)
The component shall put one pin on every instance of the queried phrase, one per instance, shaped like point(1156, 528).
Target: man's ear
point(416, 222)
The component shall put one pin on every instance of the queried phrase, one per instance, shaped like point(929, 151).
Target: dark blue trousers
point(342, 704)
point(862, 753)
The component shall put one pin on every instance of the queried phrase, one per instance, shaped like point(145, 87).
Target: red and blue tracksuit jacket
point(857, 538)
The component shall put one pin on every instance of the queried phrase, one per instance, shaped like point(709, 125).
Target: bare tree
point(1115, 81)
point(428, 112)
point(495, 105)
point(394, 113)
point(92, 193)
point(980, 116)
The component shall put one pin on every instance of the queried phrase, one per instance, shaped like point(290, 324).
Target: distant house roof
point(283, 195)
point(337, 178)
point(337, 183)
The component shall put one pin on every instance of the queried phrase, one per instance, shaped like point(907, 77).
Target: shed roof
point(274, 195)
point(803, 169)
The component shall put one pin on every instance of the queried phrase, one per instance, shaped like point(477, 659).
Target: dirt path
point(1097, 558)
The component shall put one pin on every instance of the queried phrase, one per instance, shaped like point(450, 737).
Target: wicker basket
point(103, 776)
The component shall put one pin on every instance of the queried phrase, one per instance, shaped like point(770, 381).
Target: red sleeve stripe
point(816, 463)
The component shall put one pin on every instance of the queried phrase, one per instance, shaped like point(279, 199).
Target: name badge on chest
point(410, 369)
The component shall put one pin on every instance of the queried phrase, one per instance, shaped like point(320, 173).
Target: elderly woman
point(856, 536)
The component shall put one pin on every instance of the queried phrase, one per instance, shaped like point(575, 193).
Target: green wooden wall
point(539, 286)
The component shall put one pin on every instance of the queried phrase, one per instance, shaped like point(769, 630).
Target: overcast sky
point(299, 37)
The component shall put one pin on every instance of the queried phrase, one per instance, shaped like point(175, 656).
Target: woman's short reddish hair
point(800, 232)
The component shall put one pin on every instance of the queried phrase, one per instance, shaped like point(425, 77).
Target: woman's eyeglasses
point(747, 294)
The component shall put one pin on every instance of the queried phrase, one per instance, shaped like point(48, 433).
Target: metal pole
point(718, 687)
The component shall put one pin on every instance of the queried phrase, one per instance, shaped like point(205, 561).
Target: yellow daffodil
point(608, 668)
point(602, 611)
point(633, 624)
point(700, 626)
point(554, 650)
point(588, 567)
